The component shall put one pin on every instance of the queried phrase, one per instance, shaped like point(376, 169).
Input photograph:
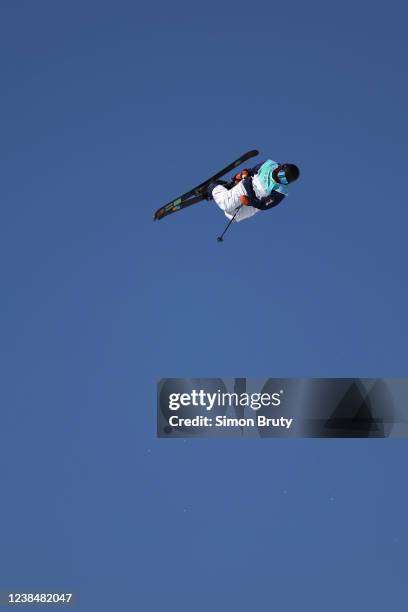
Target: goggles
point(282, 176)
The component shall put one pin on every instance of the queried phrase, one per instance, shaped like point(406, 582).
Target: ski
point(197, 194)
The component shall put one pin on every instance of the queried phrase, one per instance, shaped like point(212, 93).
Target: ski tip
point(159, 214)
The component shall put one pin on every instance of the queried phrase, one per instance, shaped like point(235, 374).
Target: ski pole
point(221, 238)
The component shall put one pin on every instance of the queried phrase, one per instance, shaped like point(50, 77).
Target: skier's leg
point(228, 199)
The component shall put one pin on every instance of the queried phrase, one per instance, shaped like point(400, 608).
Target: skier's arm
point(243, 174)
point(273, 199)
point(266, 203)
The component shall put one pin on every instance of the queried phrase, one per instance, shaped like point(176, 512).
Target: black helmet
point(286, 173)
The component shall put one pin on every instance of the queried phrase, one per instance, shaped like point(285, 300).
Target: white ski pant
point(228, 201)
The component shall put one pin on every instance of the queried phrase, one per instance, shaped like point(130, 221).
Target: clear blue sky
point(110, 109)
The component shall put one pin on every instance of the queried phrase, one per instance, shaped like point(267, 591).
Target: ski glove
point(241, 175)
point(245, 201)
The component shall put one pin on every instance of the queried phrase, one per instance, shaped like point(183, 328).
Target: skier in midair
point(259, 188)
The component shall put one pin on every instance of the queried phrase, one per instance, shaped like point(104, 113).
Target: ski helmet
point(286, 173)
